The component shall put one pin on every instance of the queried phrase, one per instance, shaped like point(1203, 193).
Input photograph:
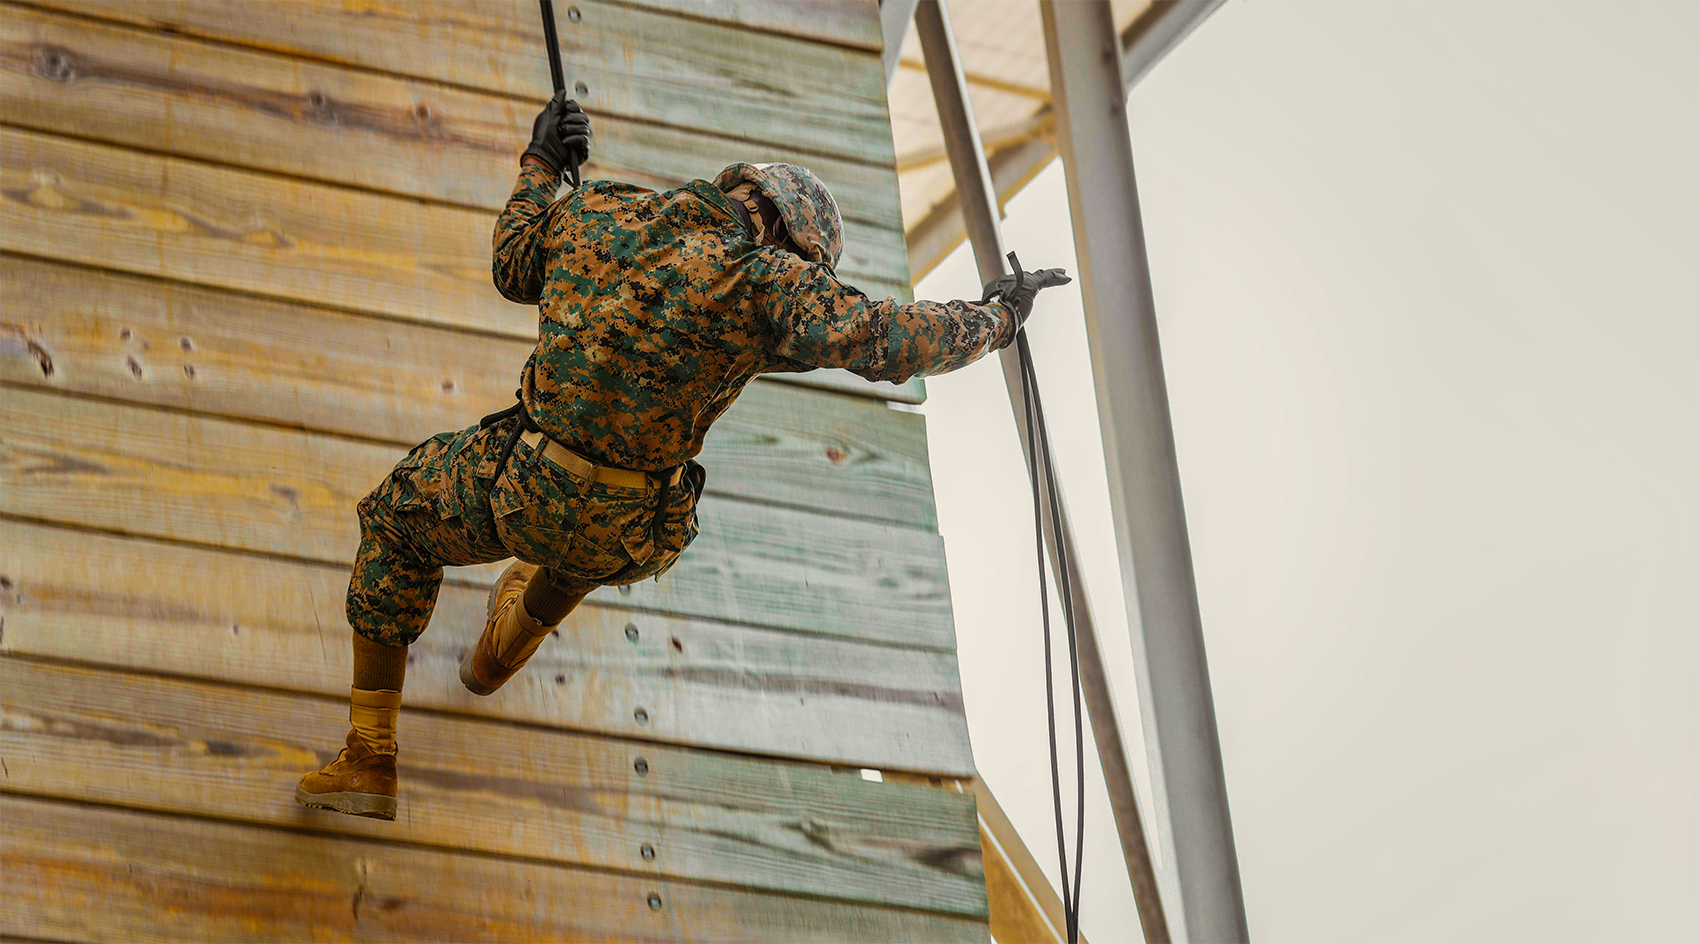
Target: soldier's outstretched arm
point(820, 321)
point(518, 264)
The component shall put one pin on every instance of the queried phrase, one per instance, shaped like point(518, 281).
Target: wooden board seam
point(900, 775)
point(173, 410)
point(119, 24)
point(399, 844)
point(753, 28)
point(452, 578)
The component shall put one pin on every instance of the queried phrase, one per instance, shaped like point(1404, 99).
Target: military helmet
point(810, 214)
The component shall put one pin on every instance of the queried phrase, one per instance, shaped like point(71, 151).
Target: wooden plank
point(89, 873)
point(166, 93)
point(147, 341)
point(643, 64)
point(159, 474)
point(212, 750)
point(241, 230)
point(280, 624)
point(854, 23)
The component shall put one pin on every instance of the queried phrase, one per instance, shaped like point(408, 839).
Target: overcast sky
point(1428, 278)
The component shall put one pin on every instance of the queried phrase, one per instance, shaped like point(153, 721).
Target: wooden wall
point(244, 265)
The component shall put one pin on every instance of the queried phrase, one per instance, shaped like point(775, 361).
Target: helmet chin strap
point(766, 225)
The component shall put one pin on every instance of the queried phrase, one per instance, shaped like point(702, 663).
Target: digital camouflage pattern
point(656, 309)
point(810, 214)
point(443, 505)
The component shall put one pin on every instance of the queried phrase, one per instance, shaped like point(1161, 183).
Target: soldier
point(655, 310)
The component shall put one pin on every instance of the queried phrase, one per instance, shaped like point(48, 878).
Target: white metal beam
point(894, 25)
point(1150, 37)
point(980, 212)
point(1200, 871)
point(1143, 48)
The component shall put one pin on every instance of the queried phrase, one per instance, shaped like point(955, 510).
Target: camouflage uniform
point(655, 310)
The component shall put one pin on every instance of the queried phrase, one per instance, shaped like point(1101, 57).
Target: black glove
point(560, 136)
point(1017, 291)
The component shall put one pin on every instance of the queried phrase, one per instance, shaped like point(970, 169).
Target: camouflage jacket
point(655, 310)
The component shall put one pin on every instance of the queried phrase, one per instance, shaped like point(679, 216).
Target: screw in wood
point(641, 716)
point(642, 767)
point(625, 589)
point(654, 902)
point(573, 14)
point(647, 851)
point(581, 89)
point(632, 632)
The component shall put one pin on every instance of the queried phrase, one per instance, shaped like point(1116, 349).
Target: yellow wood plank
point(1025, 909)
point(638, 63)
point(138, 88)
point(209, 481)
point(89, 873)
point(147, 341)
point(211, 614)
point(234, 229)
point(231, 753)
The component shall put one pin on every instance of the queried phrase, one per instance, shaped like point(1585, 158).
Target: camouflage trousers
point(444, 505)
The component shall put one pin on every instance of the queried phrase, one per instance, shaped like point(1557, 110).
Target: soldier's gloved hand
point(1018, 290)
point(560, 137)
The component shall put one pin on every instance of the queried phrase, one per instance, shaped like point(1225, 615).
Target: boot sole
point(470, 680)
point(370, 805)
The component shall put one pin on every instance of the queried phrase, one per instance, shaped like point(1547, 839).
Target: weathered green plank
point(638, 63)
point(215, 482)
point(280, 624)
point(148, 341)
point(113, 208)
point(186, 747)
point(89, 873)
point(854, 23)
point(126, 86)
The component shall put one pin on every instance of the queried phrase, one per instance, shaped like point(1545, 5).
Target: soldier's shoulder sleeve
point(518, 258)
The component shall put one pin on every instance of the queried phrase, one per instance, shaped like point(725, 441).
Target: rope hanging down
point(556, 75)
point(1039, 466)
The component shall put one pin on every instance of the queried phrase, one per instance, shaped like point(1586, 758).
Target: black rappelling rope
point(555, 73)
point(1039, 465)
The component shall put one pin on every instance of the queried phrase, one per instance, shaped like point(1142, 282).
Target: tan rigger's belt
point(580, 467)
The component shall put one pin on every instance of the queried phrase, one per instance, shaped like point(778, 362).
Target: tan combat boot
point(510, 635)
point(362, 779)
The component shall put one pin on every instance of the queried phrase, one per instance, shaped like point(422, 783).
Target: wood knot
point(836, 456)
point(134, 365)
point(16, 339)
point(321, 108)
point(55, 63)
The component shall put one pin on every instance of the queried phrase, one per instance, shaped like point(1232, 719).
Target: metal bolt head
point(632, 632)
point(641, 716)
point(647, 851)
point(641, 766)
point(573, 14)
point(654, 902)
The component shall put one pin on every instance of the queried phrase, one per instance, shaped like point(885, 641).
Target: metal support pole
point(895, 16)
point(980, 213)
point(1201, 878)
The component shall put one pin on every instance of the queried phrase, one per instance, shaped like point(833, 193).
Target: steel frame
point(980, 214)
point(1200, 875)
point(1200, 878)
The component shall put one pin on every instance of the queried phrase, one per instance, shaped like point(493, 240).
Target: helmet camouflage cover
point(810, 214)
